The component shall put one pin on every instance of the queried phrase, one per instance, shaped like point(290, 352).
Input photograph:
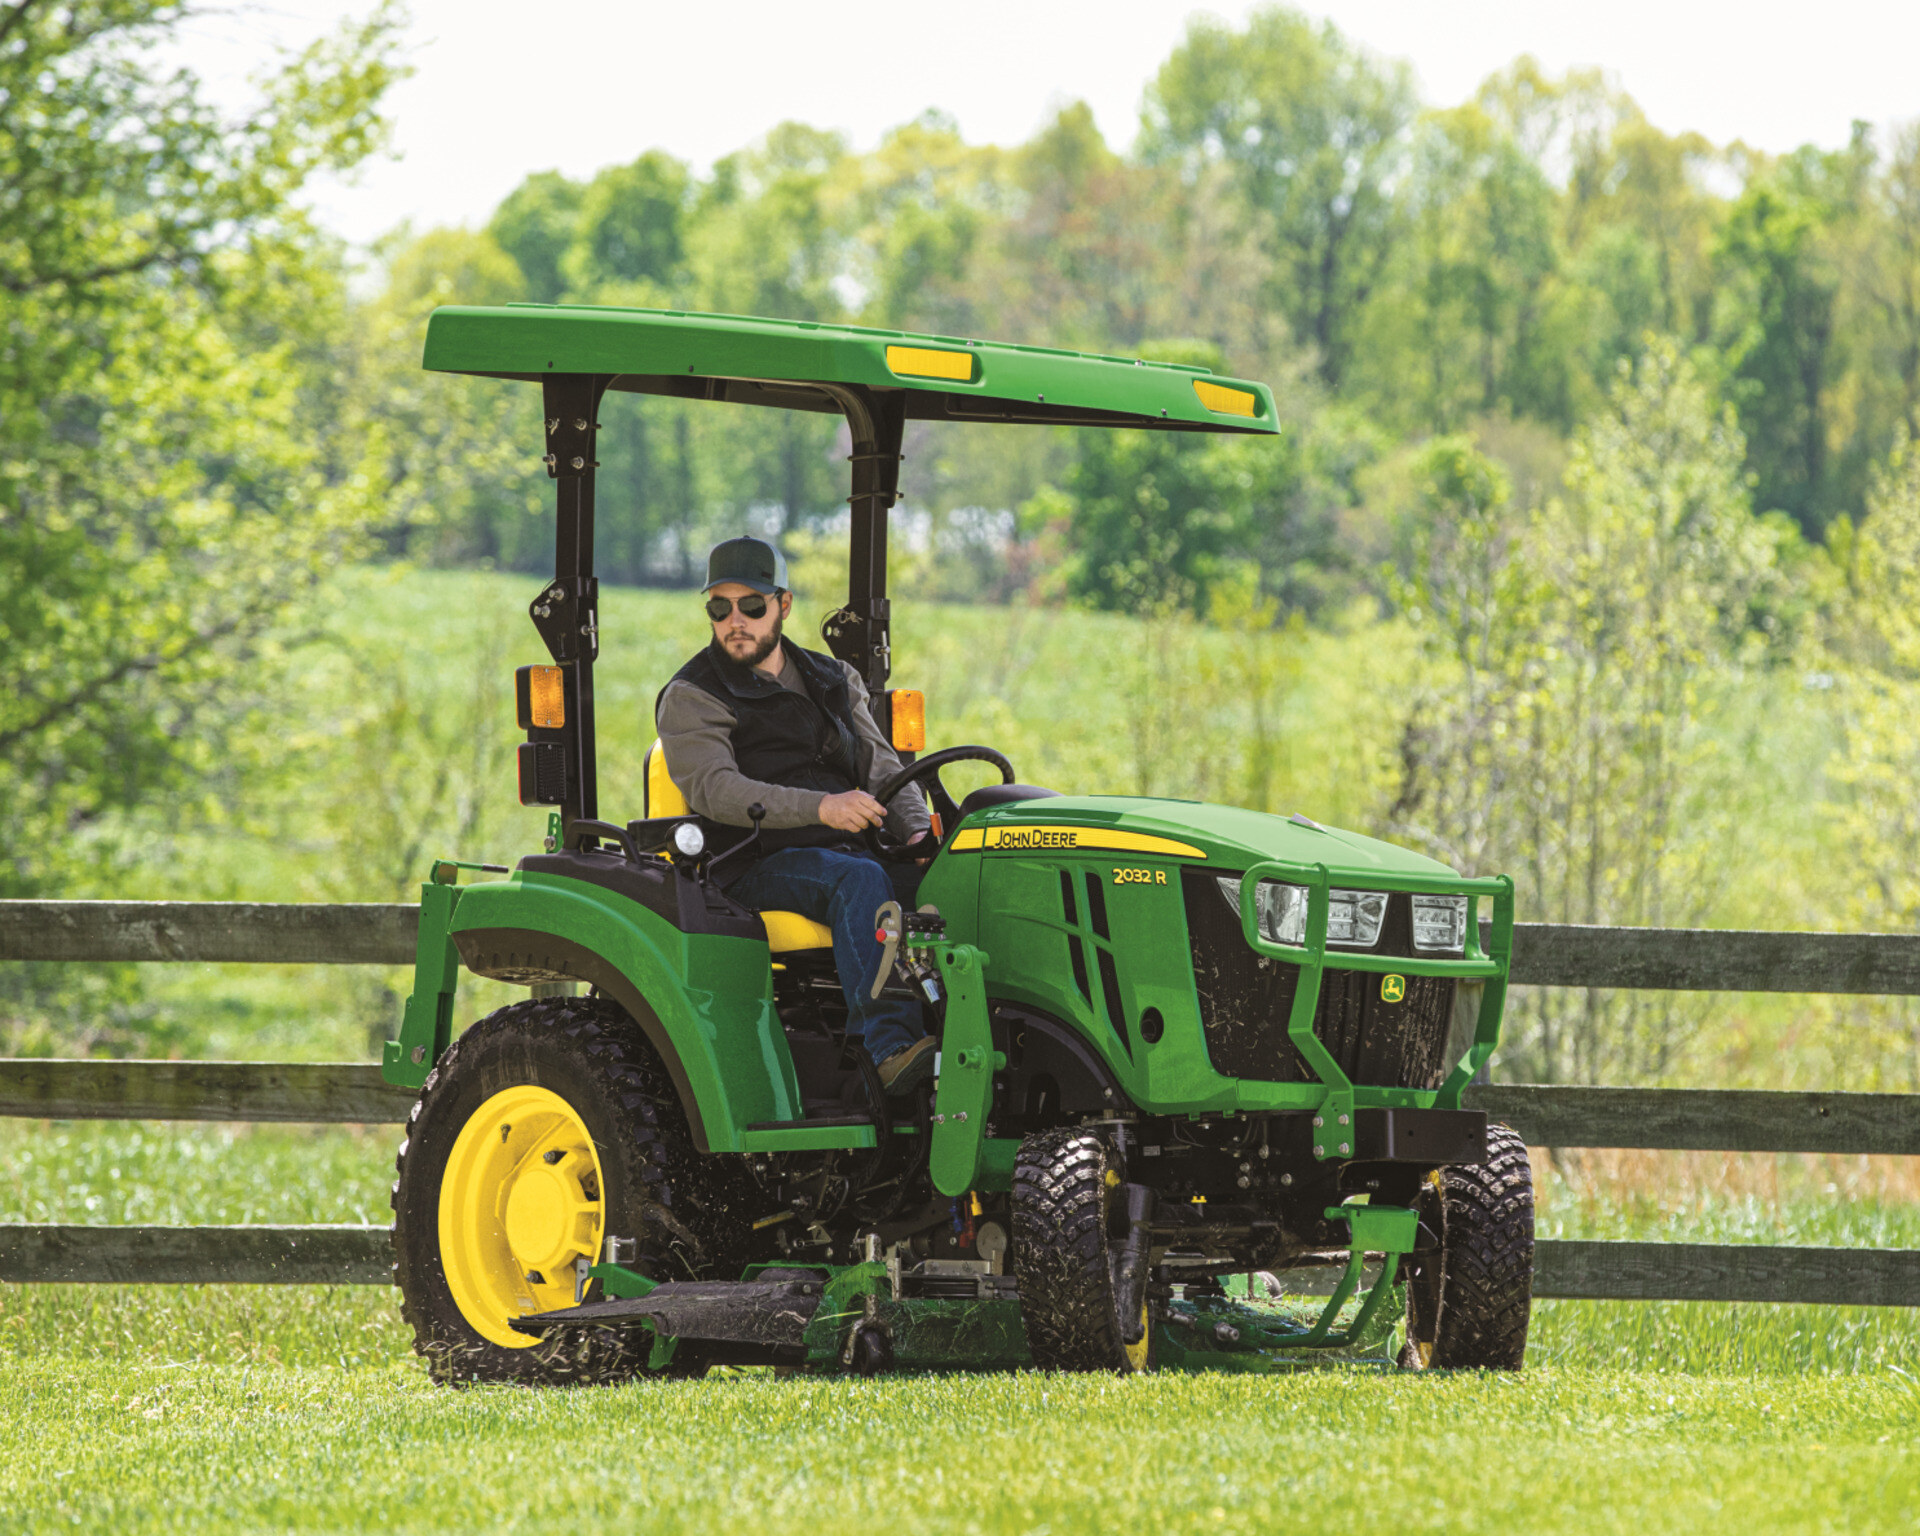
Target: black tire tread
point(692, 1211)
point(1059, 1250)
point(1487, 1280)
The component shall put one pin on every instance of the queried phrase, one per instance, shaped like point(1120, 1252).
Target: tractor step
point(769, 1312)
point(810, 1122)
point(822, 1135)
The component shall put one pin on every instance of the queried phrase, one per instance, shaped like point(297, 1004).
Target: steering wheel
point(929, 767)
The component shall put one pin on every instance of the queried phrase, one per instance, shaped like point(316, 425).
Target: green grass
point(248, 1407)
point(233, 1448)
point(112, 1173)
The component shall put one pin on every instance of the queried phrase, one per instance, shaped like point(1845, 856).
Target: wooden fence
point(1544, 955)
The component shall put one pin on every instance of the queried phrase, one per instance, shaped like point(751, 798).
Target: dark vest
point(804, 741)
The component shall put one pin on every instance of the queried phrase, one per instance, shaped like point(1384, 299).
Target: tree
point(1874, 768)
point(1565, 734)
point(629, 236)
point(1778, 257)
point(1314, 131)
point(1471, 323)
point(536, 225)
point(459, 465)
point(771, 235)
point(1638, 213)
point(923, 201)
point(1157, 518)
point(1078, 260)
point(1875, 402)
point(171, 483)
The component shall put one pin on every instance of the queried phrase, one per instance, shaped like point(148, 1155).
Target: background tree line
point(1290, 211)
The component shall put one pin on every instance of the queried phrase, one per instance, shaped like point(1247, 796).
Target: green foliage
point(1153, 515)
point(170, 485)
point(1481, 269)
point(536, 224)
point(1474, 318)
point(1314, 132)
point(1778, 258)
point(1567, 734)
point(629, 233)
point(1875, 815)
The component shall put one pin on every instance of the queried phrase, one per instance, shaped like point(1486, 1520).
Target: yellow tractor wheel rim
point(521, 1200)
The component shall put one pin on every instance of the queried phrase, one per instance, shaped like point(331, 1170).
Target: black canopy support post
point(567, 611)
point(860, 633)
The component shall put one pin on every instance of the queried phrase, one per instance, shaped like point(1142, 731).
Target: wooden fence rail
point(1694, 1119)
point(361, 1255)
point(1544, 955)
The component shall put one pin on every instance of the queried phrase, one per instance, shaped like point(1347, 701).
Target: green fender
point(704, 1000)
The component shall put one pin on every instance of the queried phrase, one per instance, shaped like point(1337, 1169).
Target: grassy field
point(238, 1449)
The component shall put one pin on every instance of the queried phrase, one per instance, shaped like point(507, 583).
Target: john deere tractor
point(1198, 1093)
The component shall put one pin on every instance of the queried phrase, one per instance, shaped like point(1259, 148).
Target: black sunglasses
point(753, 606)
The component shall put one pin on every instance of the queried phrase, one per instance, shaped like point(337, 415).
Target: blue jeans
point(844, 890)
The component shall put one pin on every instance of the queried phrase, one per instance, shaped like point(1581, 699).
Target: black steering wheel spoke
point(943, 805)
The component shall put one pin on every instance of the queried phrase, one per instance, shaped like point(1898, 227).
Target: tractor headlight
point(689, 839)
point(1353, 917)
point(1282, 908)
point(1439, 922)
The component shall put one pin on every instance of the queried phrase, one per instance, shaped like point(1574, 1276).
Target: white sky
point(502, 90)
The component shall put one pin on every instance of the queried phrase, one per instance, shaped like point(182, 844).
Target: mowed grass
point(243, 1408)
point(237, 1449)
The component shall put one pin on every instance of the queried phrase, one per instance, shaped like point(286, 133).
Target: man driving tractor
point(754, 721)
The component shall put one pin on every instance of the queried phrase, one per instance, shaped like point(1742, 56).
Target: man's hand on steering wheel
point(853, 810)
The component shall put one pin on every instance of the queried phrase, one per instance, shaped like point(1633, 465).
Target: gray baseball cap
point(751, 562)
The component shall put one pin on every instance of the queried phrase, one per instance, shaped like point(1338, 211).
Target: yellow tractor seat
point(786, 931)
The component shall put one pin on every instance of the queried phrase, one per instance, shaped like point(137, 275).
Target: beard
point(762, 649)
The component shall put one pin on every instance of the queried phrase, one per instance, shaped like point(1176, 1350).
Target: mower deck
point(829, 1320)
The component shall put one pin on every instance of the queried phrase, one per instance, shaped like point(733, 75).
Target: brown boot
point(904, 1071)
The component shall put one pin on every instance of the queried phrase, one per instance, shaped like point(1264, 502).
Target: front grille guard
point(1332, 1124)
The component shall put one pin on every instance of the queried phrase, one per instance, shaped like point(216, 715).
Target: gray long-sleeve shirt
point(696, 734)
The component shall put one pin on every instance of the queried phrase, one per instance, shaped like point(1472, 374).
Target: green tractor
point(1198, 1096)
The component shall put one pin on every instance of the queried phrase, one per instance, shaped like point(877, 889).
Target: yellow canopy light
point(926, 363)
point(1227, 402)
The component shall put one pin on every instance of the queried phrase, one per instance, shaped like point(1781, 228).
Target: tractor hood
point(1223, 836)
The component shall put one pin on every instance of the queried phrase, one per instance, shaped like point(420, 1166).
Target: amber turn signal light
point(541, 693)
point(909, 710)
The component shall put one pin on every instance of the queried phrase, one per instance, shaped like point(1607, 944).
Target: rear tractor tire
point(1468, 1305)
point(1068, 1227)
point(546, 1127)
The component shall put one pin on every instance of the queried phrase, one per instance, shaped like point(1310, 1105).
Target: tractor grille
point(1245, 999)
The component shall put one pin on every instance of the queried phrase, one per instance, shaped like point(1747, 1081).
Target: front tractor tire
point(1469, 1304)
point(1068, 1228)
point(546, 1127)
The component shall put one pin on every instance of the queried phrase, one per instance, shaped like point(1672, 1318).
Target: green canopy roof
point(791, 364)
